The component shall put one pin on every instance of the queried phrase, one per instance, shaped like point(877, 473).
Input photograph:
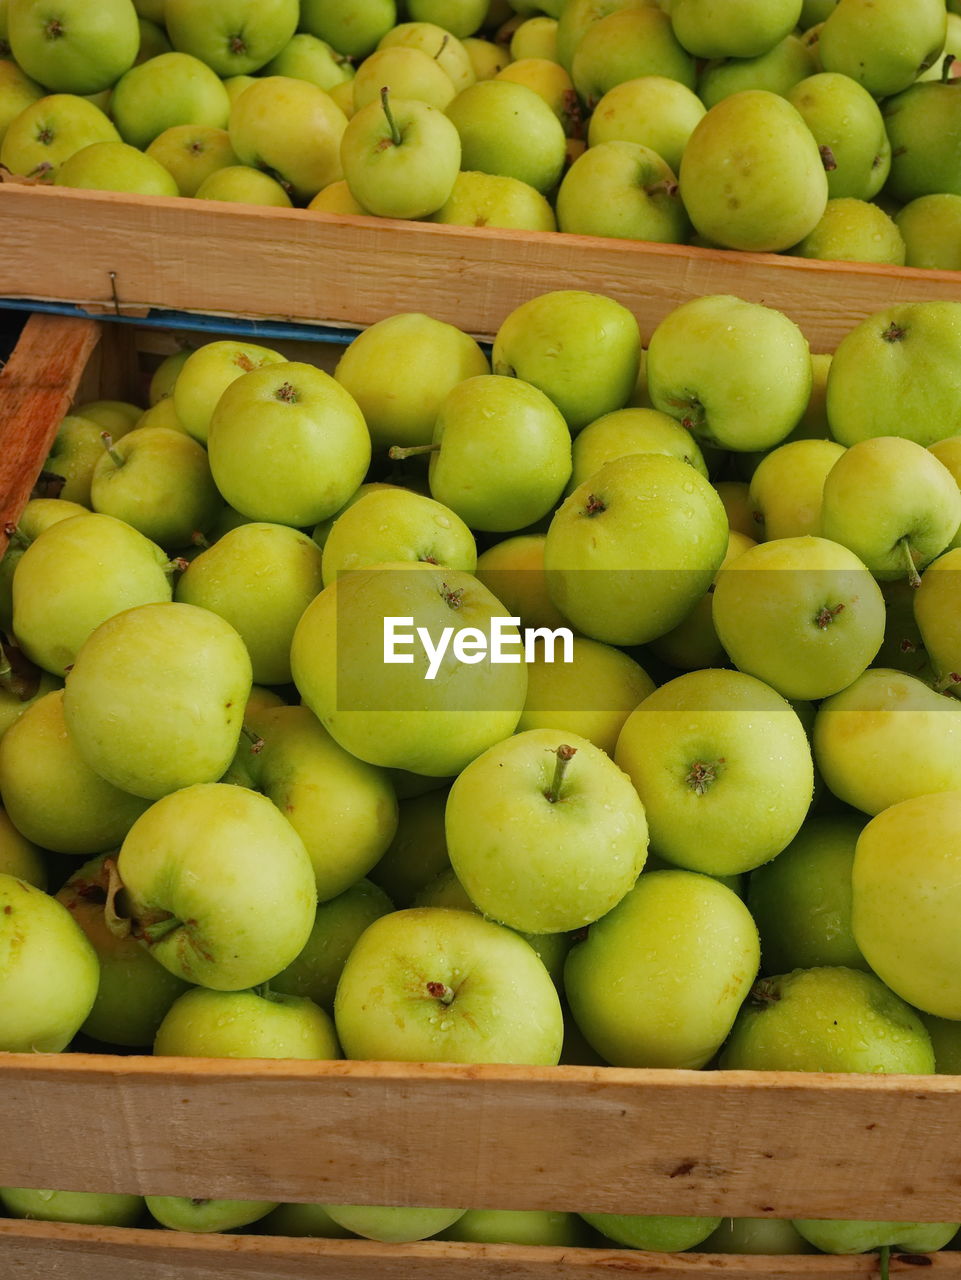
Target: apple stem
point(949, 681)
point(263, 990)
point(118, 923)
point(198, 540)
point(946, 65)
point(667, 185)
point(564, 755)
point(254, 738)
point(16, 535)
point(398, 452)
point(441, 991)
point(443, 45)
point(828, 159)
point(153, 930)
point(914, 578)
point(116, 458)
point(177, 565)
point(885, 1252)
point(395, 134)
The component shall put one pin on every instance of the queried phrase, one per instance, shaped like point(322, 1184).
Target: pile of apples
point(821, 128)
point(587, 699)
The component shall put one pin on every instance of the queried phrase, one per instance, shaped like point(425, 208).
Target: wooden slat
point(199, 255)
point(43, 1251)
point(37, 386)
point(575, 1138)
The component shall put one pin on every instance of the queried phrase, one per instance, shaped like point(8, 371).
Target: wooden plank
point(198, 255)
point(47, 1251)
point(575, 1138)
point(37, 386)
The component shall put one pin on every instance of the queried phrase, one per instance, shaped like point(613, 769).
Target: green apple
point(931, 229)
point(153, 40)
point(418, 851)
point(700, 738)
point(852, 230)
point(507, 128)
point(36, 515)
point(460, 17)
point(177, 1213)
point(786, 489)
point(743, 29)
point(258, 1023)
point(234, 37)
point(17, 92)
point(240, 184)
point(395, 713)
point(487, 57)
point(116, 166)
point(495, 200)
point(886, 738)
point(581, 843)
point(651, 1232)
point(390, 1224)
point(48, 971)
point(186, 901)
point(632, 430)
point(206, 374)
point(803, 614)
point(656, 111)
point(338, 924)
point(935, 612)
point(891, 502)
point(548, 79)
point(95, 1208)
point(518, 1226)
point(659, 980)
point(634, 547)
point(190, 153)
point(849, 129)
point(400, 157)
point(902, 915)
point(19, 856)
point(903, 648)
point(49, 131)
point(624, 45)
point(945, 1038)
point(440, 44)
point(116, 416)
point(919, 122)
point(336, 198)
point(751, 176)
point(259, 577)
point(292, 129)
point(235, 85)
point(352, 27)
point(344, 810)
point(155, 698)
point(395, 525)
point(305, 57)
point(828, 1018)
point(75, 575)
point(407, 73)
point(778, 70)
point(756, 1235)
point(73, 47)
point(171, 89)
point(844, 1236)
point(882, 44)
point(514, 571)
point(582, 349)
point(399, 370)
point(536, 35)
point(430, 984)
point(801, 901)
point(302, 1220)
point(575, 16)
point(622, 189)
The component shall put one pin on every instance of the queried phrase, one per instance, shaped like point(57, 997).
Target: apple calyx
point(701, 776)
point(53, 30)
point(396, 138)
point(442, 992)
point(765, 992)
point(286, 393)
point(398, 452)
point(564, 754)
point(454, 598)
point(914, 578)
point(893, 333)
point(237, 44)
point(826, 615)
point(594, 505)
point(113, 454)
point(828, 159)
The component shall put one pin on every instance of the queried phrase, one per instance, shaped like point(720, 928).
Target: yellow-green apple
point(306, 57)
point(495, 200)
point(735, 495)
point(76, 574)
point(945, 1036)
point(378, 694)
point(407, 73)
point(153, 41)
point(656, 111)
point(19, 856)
point(931, 229)
point(391, 1224)
point(206, 374)
point(487, 57)
point(905, 888)
point(576, 852)
point(460, 17)
point(551, 82)
point(291, 129)
point(745, 29)
point(634, 547)
point(235, 85)
point(321, 531)
point(849, 129)
point(575, 16)
point(752, 176)
point(155, 698)
point(841, 1235)
point(803, 614)
point(96, 1208)
point(36, 515)
point(506, 128)
point(48, 971)
point(241, 184)
point(116, 416)
point(178, 1213)
point(659, 980)
point(116, 166)
point(891, 502)
point(777, 70)
point(898, 373)
point(660, 1234)
point(233, 37)
point(514, 571)
point(518, 1226)
point(718, 751)
point(257, 1023)
point(903, 648)
point(786, 488)
point(352, 27)
point(887, 737)
point(882, 44)
point(397, 524)
point(919, 122)
point(936, 614)
point(429, 984)
point(631, 430)
point(801, 901)
point(949, 452)
point(288, 444)
point(164, 377)
point(171, 89)
point(17, 92)
point(756, 1235)
point(400, 369)
point(336, 198)
point(828, 1018)
point(73, 47)
point(302, 1220)
point(260, 577)
point(161, 414)
point(536, 35)
point(440, 44)
point(418, 851)
point(622, 190)
point(182, 895)
point(736, 374)
point(49, 131)
point(338, 924)
point(852, 230)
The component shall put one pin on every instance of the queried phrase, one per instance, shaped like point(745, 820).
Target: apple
point(74, 47)
point(258, 1023)
point(575, 16)
point(746, 29)
point(336, 198)
point(302, 1220)
point(19, 856)
point(931, 229)
point(407, 73)
point(881, 44)
point(116, 166)
point(843, 1236)
point(177, 1213)
point(778, 70)
point(849, 128)
point(495, 200)
point(190, 153)
point(396, 525)
point(48, 971)
point(631, 430)
point(155, 698)
point(756, 1235)
point(240, 184)
point(153, 40)
point(49, 131)
point(305, 57)
point(440, 44)
point(205, 375)
point(397, 714)
point(786, 488)
point(918, 121)
point(518, 1226)
point(582, 349)
point(399, 370)
point(536, 35)
point(233, 37)
point(513, 570)
point(507, 128)
point(652, 1232)
point(934, 608)
point(95, 1208)
point(17, 92)
point(944, 1033)
point(624, 45)
point(287, 444)
point(116, 416)
point(487, 57)
point(624, 190)
point(659, 980)
point(853, 230)
point(171, 89)
point(430, 984)
point(828, 1018)
point(548, 79)
point(418, 851)
point(35, 517)
point(390, 1224)
point(352, 27)
point(656, 111)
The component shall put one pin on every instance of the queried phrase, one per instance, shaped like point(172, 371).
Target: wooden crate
point(110, 251)
point(564, 1138)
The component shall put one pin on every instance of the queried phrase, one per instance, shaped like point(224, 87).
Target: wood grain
point(198, 255)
